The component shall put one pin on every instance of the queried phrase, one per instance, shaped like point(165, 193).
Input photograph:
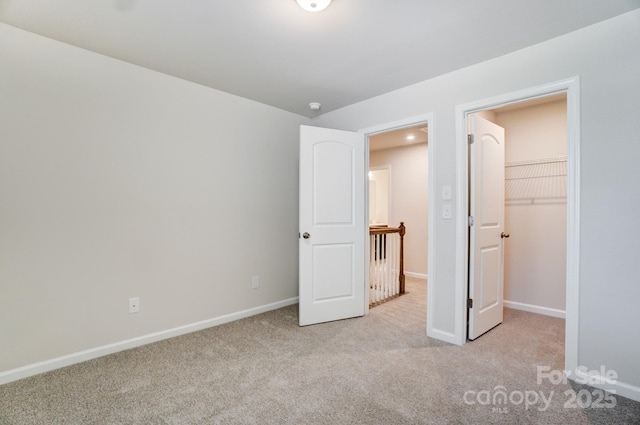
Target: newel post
point(401, 277)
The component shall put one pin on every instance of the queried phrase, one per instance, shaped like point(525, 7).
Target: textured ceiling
point(273, 52)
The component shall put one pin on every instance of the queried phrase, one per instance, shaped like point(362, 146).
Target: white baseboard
point(535, 309)
point(619, 388)
point(442, 335)
point(82, 356)
point(417, 275)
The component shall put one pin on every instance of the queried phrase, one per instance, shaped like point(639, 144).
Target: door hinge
point(470, 221)
point(469, 303)
point(470, 138)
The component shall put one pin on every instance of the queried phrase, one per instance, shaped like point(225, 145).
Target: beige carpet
point(380, 369)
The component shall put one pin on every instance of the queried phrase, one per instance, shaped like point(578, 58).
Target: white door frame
point(571, 87)
point(396, 125)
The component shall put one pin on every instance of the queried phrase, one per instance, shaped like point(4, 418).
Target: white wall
point(115, 182)
point(538, 131)
point(606, 58)
point(409, 194)
point(535, 253)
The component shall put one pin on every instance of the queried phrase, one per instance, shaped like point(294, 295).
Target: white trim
point(396, 125)
point(442, 335)
point(431, 264)
point(93, 353)
point(553, 312)
point(431, 231)
point(367, 238)
point(572, 87)
point(598, 381)
point(422, 276)
point(573, 225)
point(462, 212)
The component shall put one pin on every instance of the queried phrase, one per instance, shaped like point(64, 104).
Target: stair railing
point(386, 263)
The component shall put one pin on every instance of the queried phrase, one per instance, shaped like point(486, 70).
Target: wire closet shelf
point(542, 179)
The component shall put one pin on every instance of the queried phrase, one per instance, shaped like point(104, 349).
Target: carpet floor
point(378, 369)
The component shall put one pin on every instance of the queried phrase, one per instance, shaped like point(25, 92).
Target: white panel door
point(486, 258)
point(332, 225)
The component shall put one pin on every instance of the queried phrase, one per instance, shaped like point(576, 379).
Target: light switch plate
point(446, 192)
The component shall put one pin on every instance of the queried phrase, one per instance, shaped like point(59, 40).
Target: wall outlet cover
point(134, 305)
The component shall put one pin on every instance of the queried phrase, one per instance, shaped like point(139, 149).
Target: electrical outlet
point(134, 305)
point(447, 212)
point(255, 282)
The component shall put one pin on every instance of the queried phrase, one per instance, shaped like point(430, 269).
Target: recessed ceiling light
point(411, 137)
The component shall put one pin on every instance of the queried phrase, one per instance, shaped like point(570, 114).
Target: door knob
point(504, 235)
point(306, 235)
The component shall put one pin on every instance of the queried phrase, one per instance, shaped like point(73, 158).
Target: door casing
point(571, 87)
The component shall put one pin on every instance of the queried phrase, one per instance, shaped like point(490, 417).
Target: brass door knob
point(504, 235)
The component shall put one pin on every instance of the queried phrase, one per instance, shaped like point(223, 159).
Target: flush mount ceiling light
point(313, 5)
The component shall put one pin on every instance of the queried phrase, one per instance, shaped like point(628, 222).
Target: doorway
point(400, 149)
point(571, 88)
point(333, 216)
point(533, 269)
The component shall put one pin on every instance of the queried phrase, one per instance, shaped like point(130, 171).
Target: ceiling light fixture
point(313, 5)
